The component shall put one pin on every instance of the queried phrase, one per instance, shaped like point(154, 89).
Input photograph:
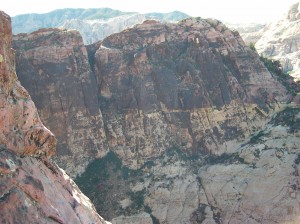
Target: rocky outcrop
point(259, 183)
point(159, 85)
point(95, 30)
point(93, 24)
point(181, 110)
point(53, 65)
point(193, 84)
point(33, 189)
point(21, 128)
point(280, 41)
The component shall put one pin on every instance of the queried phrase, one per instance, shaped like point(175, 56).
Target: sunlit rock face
point(21, 128)
point(187, 113)
point(33, 189)
point(194, 84)
point(280, 41)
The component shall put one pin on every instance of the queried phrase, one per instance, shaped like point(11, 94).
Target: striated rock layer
point(188, 107)
point(193, 84)
point(53, 66)
point(33, 189)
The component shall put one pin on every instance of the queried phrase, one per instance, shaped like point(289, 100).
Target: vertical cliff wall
point(53, 65)
point(33, 189)
point(193, 84)
point(189, 106)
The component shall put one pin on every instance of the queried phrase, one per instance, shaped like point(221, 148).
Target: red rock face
point(21, 128)
point(33, 189)
point(194, 85)
point(53, 65)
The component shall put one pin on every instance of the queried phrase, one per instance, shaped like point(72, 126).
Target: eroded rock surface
point(53, 65)
point(280, 41)
point(33, 189)
point(193, 84)
point(21, 128)
point(187, 111)
point(264, 187)
point(259, 183)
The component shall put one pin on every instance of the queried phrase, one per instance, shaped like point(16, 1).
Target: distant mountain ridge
point(27, 23)
point(93, 24)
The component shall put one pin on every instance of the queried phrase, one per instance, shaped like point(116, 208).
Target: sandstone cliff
point(33, 189)
point(188, 114)
point(193, 84)
point(280, 41)
point(53, 65)
point(257, 184)
point(185, 84)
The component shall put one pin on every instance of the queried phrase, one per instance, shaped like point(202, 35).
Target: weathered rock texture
point(280, 40)
point(53, 66)
point(259, 183)
point(179, 104)
point(33, 189)
point(21, 128)
point(193, 84)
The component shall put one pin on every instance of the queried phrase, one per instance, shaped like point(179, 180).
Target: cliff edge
point(33, 189)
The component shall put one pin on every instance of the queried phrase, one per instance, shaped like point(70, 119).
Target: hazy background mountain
point(280, 41)
point(250, 33)
point(93, 24)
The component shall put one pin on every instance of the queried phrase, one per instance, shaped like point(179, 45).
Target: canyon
point(157, 117)
point(147, 89)
point(276, 40)
point(168, 122)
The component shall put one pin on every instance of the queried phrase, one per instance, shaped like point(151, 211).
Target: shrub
point(252, 47)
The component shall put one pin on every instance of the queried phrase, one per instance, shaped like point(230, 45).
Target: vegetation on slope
point(275, 68)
